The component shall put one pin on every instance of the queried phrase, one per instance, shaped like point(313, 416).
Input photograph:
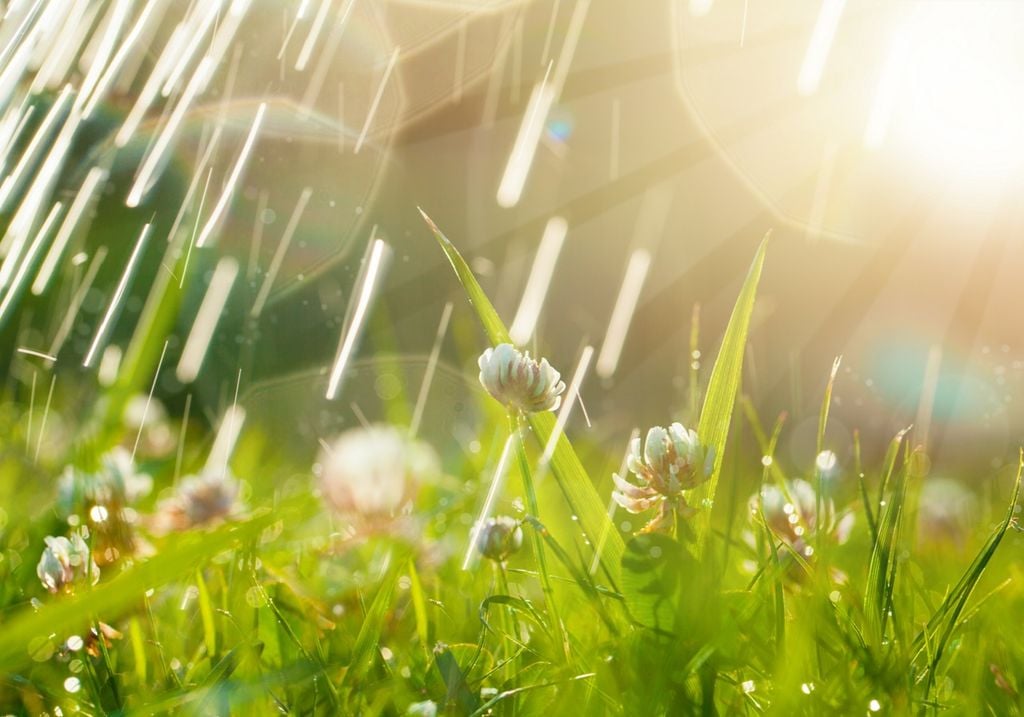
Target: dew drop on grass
point(255, 598)
point(874, 705)
point(72, 685)
point(41, 649)
point(748, 687)
point(74, 643)
point(807, 688)
point(766, 461)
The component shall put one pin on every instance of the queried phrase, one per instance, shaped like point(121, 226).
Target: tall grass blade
point(720, 398)
point(572, 478)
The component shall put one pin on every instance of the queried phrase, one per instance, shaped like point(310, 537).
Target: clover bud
point(499, 538)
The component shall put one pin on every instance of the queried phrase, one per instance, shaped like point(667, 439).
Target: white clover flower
point(372, 472)
point(499, 538)
point(945, 512)
point(206, 498)
point(146, 418)
point(427, 708)
point(117, 483)
point(792, 514)
point(668, 462)
point(518, 381)
point(64, 562)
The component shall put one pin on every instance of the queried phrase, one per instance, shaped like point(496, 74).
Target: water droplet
point(75, 643)
point(72, 685)
point(807, 688)
point(748, 687)
point(874, 705)
point(766, 461)
point(255, 597)
point(826, 461)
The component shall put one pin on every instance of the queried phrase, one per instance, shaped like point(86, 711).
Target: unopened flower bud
point(499, 538)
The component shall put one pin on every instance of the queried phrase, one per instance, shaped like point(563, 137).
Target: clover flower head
point(518, 381)
point(945, 512)
point(117, 483)
point(499, 538)
point(145, 417)
point(668, 462)
point(209, 497)
point(64, 562)
point(372, 472)
point(206, 498)
point(792, 514)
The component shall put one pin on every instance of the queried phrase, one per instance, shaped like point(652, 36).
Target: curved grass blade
point(947, 616)
point(565, 464)
point(111, 599)
point(720, 399)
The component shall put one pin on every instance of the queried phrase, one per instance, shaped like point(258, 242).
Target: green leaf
point(720, 399)
point(652, 577)
point(565, 464)
point(455, 681)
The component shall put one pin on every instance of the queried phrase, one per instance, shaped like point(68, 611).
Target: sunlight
point(960, 89)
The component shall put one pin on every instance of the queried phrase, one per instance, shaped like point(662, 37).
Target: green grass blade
point(947, 615)
point(572, 478)
point(206, 612)
point(720, 398)
point(369, 633)
point(883, 552)
point(113, 598)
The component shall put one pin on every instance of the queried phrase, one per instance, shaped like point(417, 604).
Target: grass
point(288, 608)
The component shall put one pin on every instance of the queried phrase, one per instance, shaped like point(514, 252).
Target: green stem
point(509, 626)
point(518, 425)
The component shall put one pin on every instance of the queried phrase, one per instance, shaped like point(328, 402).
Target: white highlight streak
point(622, 314)
point(115, 302)
point(540, 280)
point(372, 268)
point(428, 375)
point(218, 211)
point(492, 493)
point(67, 227)
point(376, 100)
point(209, 313)
point(822, 37)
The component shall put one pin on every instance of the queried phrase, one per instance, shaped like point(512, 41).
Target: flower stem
point(519, 426)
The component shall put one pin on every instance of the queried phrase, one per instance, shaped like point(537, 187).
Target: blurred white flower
point(518, 381)
point(64, 562)
point(669, 461)
point(427, 708)
point(792, 514)
point(117, 483)
point(372, 472)
point(499, 538)
point(206, 498)
point(945, 513)
point(145, 418)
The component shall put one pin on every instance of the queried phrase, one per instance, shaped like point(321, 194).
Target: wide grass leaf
point(720, 398)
